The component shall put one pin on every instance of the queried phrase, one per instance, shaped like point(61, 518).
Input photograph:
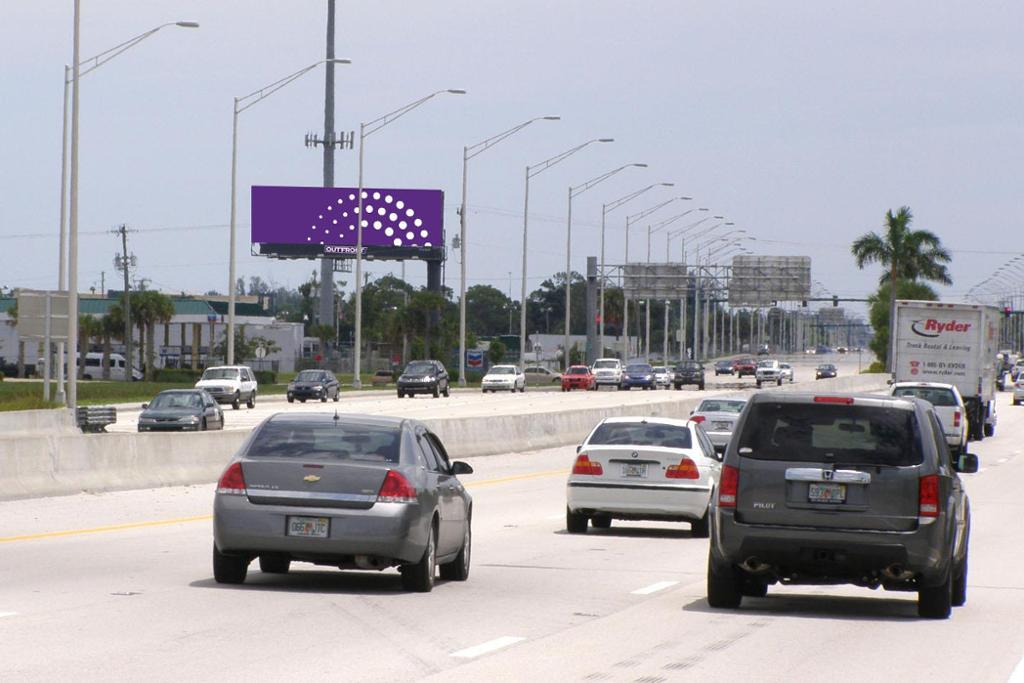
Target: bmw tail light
point(928, 496)
point(728, 487)
point(686, 469)
point(584, 465)
point(396, 489)
point(232, 482)
point(697, 418)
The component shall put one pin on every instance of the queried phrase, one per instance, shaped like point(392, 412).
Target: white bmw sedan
point(504, 378)
point(642, 468)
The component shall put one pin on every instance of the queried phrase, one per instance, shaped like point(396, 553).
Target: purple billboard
point(322, 221)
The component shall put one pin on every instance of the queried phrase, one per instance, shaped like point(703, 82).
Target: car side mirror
point(145, 406)
point(579, 448)
point(459, 467)
point(889, 381)
point(691, 412)
point(967, 463)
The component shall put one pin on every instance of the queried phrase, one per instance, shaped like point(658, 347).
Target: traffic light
point(1007, 311)
point(804, 304)
point(835, 301)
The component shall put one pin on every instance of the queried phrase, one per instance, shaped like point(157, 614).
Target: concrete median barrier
point(52, 460)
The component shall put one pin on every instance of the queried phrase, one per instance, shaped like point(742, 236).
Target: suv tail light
point(728, 487)
point(686, 469)
point(232, 482)
point(928, 496)
point(956, 418)
point(697, 418)
point(584, 465)
point(396, 489)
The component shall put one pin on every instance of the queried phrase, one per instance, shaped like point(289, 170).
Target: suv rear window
point(640, 434)
point(285, 439)
point(606, 364)
point(830, 433)
point(937, 396)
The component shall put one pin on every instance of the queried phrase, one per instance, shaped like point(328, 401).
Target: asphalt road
point(119, 585)
point(474, 403)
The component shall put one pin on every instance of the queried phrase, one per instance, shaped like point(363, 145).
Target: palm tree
point(153, 308)
point(111, 327)
point(907, 254)
point(326, 334)
point(88, 328)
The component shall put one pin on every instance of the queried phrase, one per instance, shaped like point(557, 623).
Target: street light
point(575, 192)
point(240, 105)
point(531, 171)
point(605, 209)
point(468, 153)
point(75, 74)
point(366, 130)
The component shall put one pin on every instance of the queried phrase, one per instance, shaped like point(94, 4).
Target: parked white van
point(94, 367)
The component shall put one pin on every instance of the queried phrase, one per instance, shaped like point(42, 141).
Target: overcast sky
point(802, 122)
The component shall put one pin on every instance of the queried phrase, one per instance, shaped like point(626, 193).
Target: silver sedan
point(718, 417)
point(349, 491)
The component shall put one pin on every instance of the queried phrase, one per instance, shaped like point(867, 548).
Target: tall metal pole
point(522, 288)
point(357, 351)
point(62, 266)
point(600, 284)
point(127, 313)
point(327, 309)
point(664, 338)
point(568, 282)
point(230, 340)
point(462, 270)
point(625, 303)
point(73, 222)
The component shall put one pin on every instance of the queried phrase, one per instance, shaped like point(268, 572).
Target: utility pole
point(327, 264)
point(124, 262)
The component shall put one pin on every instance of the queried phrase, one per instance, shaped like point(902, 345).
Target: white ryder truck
point(951, 344)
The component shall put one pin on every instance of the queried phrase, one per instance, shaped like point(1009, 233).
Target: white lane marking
point(1001, 460)
point(1018, 673)
point(489, 646)
point(654, 588)
point(8, 614)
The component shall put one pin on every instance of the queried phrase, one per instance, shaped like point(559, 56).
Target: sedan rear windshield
point(721, 406)
point(831, 433)
point(942, 398)
point(640, 434)
point(325, 441)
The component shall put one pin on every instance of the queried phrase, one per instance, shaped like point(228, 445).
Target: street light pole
point(240, 105)
point(531, 171)
point(365, 131)
point(73, 223)
point(468, 153)
point(574, 192)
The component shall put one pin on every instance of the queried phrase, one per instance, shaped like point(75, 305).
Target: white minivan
point(94, 367)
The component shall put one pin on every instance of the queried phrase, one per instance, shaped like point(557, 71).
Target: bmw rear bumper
point(639, 500)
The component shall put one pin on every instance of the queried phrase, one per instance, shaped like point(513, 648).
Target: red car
point(745, 366)
point(578, 377)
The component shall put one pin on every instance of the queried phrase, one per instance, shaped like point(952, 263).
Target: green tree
point(496, 352)
point(151, 308)
point(245, 346)
point(907, 254)
point(487, 310)
point(89, 328)
point(878, 311)
point(111, 327)
point(326, 334)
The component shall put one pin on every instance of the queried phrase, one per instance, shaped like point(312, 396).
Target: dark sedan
point(423, 377)
point(638, 375)
point(181, 410)
point(825, 371)
point(723, 367)
point(347, 491)
point(313, 384)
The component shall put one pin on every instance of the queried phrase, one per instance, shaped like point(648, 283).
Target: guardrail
point(94, 419)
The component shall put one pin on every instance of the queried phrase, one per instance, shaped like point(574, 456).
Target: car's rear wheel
point(229, 568)
point(419, 577)
point(251, 403)
point(935, 602)
point(575, 522)
point(700, 528)
point(723, 585)
point(990, 429)
point(959, 598)
point(601, 521)
point(458, 569)
point(202, 425)
point(236, 402)
point(274, 564)
point(337, 394)
point(323, 397)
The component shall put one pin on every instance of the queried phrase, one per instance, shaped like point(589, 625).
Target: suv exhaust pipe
point(754, 565)
point(897, 572)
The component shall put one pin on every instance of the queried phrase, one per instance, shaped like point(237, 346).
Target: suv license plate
point(310, 527)
point(636, 470)
point(826, 493)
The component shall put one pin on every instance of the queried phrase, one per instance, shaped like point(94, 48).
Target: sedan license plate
point(826, 493)
point(309, 527)
point(635, 470)
point(722, 426)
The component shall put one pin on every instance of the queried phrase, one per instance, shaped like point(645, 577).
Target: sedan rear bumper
point(639, 500)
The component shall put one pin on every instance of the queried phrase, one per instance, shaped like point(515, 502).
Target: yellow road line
point(204, 518)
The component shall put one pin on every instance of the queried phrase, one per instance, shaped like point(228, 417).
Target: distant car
point(764, 350)
point(608, 372)
point(639, 468)
point(540, 376)
point(503, 378)
point(181, 410)
point(825, 371)
point(423, 377)
point(578, 377)
point(351, 491)
point(723, 367)
point(1018, 390)
point(688, 372)
point(313, 384)
point(638, 375)
point(662, 376)
point(822, 350)
point(949, 408)
point(768, 371)
point(230, 384)
point(787, 372)
point(381, 378)
point(745, 366)
point(718, 418)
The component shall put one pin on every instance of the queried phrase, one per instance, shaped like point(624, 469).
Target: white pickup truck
point(949, 408)
point(607, 372)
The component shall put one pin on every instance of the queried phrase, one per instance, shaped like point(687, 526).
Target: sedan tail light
point(728, 487)
point(396, 489)
point(686, 469)
point(697, 418)
point(928, 496)
point(584, 465)
point(232, 482)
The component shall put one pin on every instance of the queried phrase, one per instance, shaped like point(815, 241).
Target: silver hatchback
point(349, 491)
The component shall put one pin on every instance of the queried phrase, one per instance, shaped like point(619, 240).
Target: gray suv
point(857, 489)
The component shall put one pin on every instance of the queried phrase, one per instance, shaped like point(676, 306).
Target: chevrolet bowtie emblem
point(311, 478)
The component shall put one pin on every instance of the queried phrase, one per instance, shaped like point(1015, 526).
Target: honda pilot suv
point(856, 489)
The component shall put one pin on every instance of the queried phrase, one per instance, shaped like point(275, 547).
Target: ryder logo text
point(933, 328)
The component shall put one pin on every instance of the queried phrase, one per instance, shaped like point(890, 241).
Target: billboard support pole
point(327, 310)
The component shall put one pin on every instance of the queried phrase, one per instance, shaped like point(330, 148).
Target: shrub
point(265, 376)
point(877, 366)
point(177, 375)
